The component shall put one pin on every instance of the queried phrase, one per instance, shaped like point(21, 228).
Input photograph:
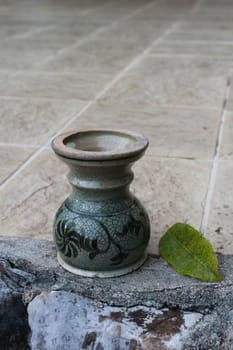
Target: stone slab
point(151, 308)
point(154, 284)
point(54, 316)
point(14, 327)
point(191, 81)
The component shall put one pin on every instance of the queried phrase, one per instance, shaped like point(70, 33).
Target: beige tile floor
point(161, 67)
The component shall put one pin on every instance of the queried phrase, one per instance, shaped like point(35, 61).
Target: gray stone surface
point(214, 332)
point(152, 308)
point(13, 314)
point(155, 284)
point(54, 316)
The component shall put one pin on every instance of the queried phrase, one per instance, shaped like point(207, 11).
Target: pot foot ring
point(102, 274)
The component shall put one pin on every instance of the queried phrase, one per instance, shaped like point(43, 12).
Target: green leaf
point(189, 253)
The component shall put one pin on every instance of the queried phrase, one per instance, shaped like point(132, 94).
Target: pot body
point(101, 229)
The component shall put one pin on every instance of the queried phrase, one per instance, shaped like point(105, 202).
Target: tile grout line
point(136, 60)
point(89, 10)
point(94, 34)
point(122, 73)
point(19, 145)
point(21, 167)
point(171, 55)
point(41, 98)
point(42, 148)
point(199, 41)
point(70, 47)
point(214, 168)
point(29, 33)
point(197, 6)
point(88, 37)
point(157, 106)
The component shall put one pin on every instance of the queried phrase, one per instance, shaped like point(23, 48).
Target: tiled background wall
point(161, 67)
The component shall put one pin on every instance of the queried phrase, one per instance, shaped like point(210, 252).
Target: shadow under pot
point(101, 229)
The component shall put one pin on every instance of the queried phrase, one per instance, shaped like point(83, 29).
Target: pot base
point(102, 274)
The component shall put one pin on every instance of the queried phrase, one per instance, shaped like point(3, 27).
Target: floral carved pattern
point(72, 238)
point(70, 241)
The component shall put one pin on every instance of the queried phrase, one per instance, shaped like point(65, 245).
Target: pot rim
point(138, 146)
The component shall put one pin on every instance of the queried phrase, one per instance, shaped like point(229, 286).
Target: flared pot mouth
point(99, 144)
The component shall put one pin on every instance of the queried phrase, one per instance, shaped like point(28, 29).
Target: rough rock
point(13, 313)
point(151, 308)
point(214, 332)
point(65, 320)
point(154, 284)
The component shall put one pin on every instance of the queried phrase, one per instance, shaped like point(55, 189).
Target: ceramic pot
point(101, 229)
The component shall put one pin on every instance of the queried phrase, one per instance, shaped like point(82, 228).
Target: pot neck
point(109, 181)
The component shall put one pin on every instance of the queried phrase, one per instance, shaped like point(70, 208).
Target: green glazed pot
point(101, 229)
